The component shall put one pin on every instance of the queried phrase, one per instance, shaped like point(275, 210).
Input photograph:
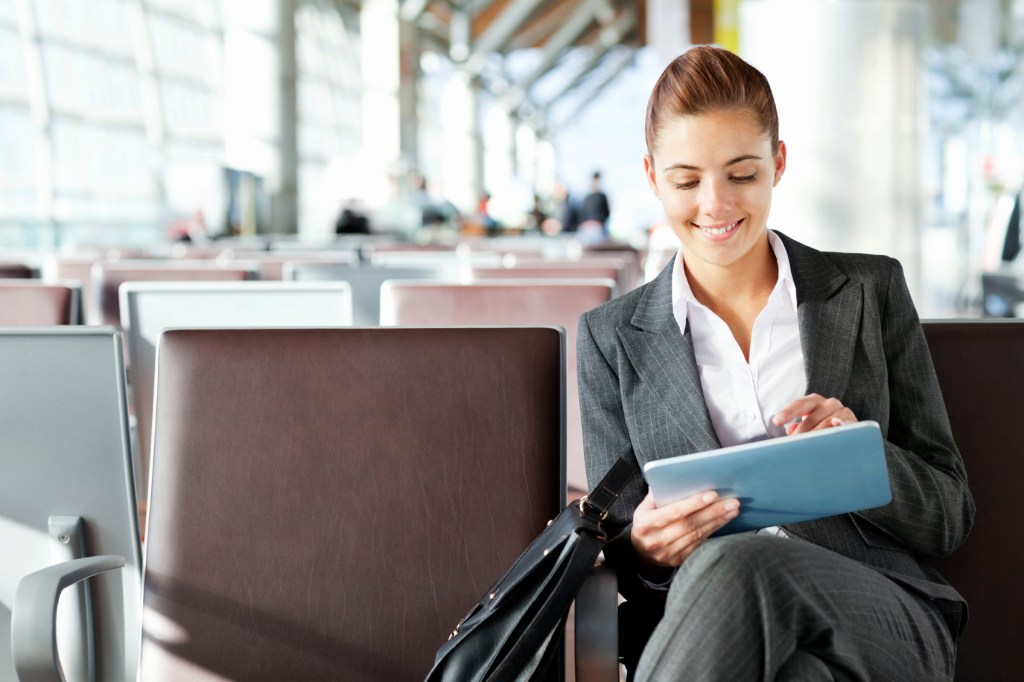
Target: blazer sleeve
point(932, 508)
point(605, 440)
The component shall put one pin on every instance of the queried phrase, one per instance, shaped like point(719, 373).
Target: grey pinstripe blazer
point(641, 398)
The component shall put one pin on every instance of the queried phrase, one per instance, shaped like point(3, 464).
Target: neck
point(748, 280)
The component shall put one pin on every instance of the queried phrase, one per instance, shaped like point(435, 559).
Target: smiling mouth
point(718, 230)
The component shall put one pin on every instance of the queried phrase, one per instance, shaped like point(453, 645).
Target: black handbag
point(515, 629)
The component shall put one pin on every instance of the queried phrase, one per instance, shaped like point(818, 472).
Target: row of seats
point(321, 509)
point(325, 503)
point(527, 291)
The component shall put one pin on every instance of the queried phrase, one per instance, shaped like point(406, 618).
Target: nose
point(714, 198)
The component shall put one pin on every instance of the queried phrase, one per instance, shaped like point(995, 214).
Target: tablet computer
point(783, 480)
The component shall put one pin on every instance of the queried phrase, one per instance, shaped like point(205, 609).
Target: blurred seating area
point(121, 303)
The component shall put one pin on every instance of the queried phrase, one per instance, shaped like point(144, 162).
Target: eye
point(743, 179)
point(686, 185)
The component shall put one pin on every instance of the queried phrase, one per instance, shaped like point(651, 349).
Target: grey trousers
point(755, 607)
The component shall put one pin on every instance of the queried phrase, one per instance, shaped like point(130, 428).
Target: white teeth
point(718, 230)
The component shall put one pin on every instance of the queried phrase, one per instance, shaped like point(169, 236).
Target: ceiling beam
point(598, 57)
point(609, 36)
point(621, 62)
point(500, 31)
point(567, 34)
point(412, 10)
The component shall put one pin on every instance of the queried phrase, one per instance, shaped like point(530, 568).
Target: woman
point(744, 332)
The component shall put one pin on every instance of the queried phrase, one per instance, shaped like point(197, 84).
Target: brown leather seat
point(107, 277)
point(980, 365)
point(326, 504)
point(12, 270)
point(556, 270)
point(507, 302)
point(28, 303)
point(620, 268)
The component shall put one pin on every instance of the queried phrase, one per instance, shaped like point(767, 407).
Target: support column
point(390, 63)
point(260, 109)
point(462, 167)
point(668, 27)
point(284, 193)
point(853, 118)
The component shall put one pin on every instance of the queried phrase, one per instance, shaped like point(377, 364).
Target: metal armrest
point(597, 627)
point(34, 618)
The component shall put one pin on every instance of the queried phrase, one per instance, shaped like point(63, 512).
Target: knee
point(728, 554)
point(743, 562)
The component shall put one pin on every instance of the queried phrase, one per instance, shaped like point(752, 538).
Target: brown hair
point(707, 79)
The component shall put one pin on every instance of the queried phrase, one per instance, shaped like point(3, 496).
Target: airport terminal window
point(98, 24)
point(191, 112)
point(92, 86)
point(185, 49)
point(13, 81)
point(329, 94)
point(8, 13)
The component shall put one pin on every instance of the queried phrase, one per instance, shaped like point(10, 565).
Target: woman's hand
point(813, 412)
point(665, 536)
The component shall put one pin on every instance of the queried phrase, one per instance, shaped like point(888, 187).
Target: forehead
point(711, 138)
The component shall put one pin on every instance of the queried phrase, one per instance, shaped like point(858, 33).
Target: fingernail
point(778, 419)
point(732, 505)
point(836, 421)
point(710, 496)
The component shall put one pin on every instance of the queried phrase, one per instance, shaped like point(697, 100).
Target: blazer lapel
point(665, 361)
point(829, 309)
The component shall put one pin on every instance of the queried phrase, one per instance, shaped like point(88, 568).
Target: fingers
point(665, 536)
point(813, 412)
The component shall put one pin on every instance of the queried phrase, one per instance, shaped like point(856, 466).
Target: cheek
point(676, 204)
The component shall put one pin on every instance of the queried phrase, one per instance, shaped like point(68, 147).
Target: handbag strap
point(607, 491)
point(547, 620)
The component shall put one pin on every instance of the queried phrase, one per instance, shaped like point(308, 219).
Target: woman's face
point(714, 175)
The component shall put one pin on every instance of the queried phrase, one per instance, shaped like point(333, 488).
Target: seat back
point(147, 308)
point(15, 270)
point(65, 453)
point(1002, 293)
point(327, 504)
point(366, 281)
point(574, 270)
point(980, 365)
point(547, 302)
point(107, 278)
point(30, 303)
point(271, 265)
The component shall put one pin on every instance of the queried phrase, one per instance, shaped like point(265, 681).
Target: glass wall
point(113, 117)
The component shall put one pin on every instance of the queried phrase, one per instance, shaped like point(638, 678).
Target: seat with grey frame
point(980, 365)
point(327, 504)
point(365, 281)
point(67, 506)
point(31, 303)
point(980, 368)
point(147, 308)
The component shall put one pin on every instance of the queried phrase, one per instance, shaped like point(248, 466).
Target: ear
point(780, 163)
point(649, 172)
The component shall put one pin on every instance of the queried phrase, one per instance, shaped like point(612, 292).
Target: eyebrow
point(738, 159)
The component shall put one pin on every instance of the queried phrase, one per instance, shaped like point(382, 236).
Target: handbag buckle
point(585, 503)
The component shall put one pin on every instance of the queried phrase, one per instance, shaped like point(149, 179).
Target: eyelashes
point(738, 179)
